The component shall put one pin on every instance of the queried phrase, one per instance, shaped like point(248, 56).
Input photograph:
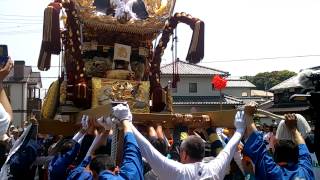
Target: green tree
point(266, 80)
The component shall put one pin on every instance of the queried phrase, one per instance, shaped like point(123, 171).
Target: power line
point(20, 32)
point(4, 19)
point(16, 15)
point(14, 26)
point(264, 58)
point(20, 22)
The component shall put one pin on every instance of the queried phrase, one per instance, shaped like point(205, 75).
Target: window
point(244, 94)
point(192, 87)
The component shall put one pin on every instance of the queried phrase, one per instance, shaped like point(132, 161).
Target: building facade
point(194, 91)
point(281, 103)
point(22, 87)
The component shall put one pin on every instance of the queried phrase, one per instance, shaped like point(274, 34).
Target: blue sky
point(235, 30)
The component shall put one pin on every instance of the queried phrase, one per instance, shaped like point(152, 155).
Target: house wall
point(204, 87)
point(200, 108)
point(18, 98)
point(237, 91)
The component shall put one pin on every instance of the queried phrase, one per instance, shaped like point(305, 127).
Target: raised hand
point(291, 121)
point(6, 69)
point(239, 121)
point(85, 122)
point(105, 122)
point(250, 108)
point(122, 112)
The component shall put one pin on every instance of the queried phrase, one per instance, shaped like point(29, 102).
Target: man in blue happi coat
point(131, 167)
point(291, 159)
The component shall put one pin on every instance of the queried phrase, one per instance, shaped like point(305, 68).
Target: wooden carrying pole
point(195, 120)
point(223, 118)
point(201, 120)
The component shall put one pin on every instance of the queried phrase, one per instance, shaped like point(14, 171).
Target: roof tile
point(239, 83)
point(185, 68)
point(188, 100)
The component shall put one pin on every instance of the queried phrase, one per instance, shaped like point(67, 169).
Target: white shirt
point(168, 169)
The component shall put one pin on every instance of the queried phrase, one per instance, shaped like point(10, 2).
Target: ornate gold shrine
point(104, 91)
point(158, 14)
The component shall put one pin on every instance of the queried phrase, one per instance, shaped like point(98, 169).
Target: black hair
point(271, 128)
point(194, 147)
point(210, 130)
point(67, 145)
point(102, 162)
point(286, 151)
point(160, 145)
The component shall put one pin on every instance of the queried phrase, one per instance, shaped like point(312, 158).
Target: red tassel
point(51, 36)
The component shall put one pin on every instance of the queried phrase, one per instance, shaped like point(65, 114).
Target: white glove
point(105, 122)
point(239, 121)
point(122, 112)
point(85, 122)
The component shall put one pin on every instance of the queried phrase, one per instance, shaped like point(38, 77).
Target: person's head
point(11, 128)
point(100, 163)
point(258, 126)
point(286, 151)
point(160, 145)
point(274, 130)
point(192, 150)
point(62, 146)
point(271, 129)
point(67, 146)
point(15, 133)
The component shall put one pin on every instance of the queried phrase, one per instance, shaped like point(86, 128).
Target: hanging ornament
point(219, 82)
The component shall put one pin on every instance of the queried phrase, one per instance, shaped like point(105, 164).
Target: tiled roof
point(185, 68)
point(292, 82)
point(205, 100)
point(284, 107)
point(288, 109)
point(35, 78)
point(26, 73)
point(239, 83)
point(249, 99)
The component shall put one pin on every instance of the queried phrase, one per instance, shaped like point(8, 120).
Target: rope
point(114, 143)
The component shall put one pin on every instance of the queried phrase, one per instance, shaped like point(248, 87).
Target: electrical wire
point(20, 32)
point(15, 27)
point(263, 58)
point(18, 19)
point(16, 15)
point(1, 22)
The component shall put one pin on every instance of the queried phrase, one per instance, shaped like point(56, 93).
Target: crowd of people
point(249, 151)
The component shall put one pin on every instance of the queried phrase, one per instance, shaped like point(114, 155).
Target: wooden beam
point(57, 127)
point(196, 120)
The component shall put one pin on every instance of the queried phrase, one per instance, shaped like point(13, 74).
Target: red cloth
point(219, 82)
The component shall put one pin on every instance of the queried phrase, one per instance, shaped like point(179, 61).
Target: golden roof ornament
point(158, 11)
